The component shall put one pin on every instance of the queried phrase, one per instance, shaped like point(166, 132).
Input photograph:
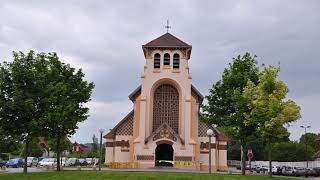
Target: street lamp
point(100, 159)
point(210, 134)
point(305, 141)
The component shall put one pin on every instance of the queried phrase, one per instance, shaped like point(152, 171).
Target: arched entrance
point(164, 155)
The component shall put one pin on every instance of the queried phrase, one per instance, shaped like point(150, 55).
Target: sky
point(104, 38)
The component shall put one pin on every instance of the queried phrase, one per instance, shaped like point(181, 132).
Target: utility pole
point(305, 141)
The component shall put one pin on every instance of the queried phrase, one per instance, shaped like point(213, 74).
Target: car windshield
point(13, 160)
point(50, 160)
point(72, 159)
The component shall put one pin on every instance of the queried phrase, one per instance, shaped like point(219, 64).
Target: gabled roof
point(112, 133)
point(194, 93)
point(167, 40)
point(164, 125)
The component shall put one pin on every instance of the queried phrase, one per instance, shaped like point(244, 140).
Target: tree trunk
point(243, 160)
point(26, 152)
point(269, 156)
point(58, 151)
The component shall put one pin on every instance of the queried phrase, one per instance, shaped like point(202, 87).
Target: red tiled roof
point(167, 40)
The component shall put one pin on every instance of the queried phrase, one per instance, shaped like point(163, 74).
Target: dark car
point(15, 163)
point(311, 172)
point(2, 163)
point(83, 162)
point(317, 170)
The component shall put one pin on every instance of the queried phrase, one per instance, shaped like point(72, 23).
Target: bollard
point(79, 168)
point(94, 167)
point(3, 168)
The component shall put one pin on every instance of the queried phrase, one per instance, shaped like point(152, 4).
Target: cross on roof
point(167, 26)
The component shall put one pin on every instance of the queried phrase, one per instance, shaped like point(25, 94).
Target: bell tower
point(166, 86)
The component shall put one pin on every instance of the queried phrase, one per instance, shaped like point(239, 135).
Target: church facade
point(164, 127)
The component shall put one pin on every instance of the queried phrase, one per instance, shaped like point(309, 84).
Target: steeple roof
point(167, 41)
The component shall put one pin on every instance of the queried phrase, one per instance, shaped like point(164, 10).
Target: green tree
point(8, 143)
point(226, 106)
point(22, 96)
point(310, 139)
point(290, 151)
point(269, 110)
point(94, 144)
point(34, 148)
point(67, 92)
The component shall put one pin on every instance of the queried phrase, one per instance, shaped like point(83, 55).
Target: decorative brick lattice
point(183, 158)
point(126, 127)
point(166, 107)
point(202, 129)
point(164, 133)
point(145, 157)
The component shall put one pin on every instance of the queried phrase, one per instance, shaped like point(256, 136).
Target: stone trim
point(205, 145)
point(183, 158)
point(122, 143)
point(145, 157)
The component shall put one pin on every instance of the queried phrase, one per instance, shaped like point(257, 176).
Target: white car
point(48, 162)
point(32, 161)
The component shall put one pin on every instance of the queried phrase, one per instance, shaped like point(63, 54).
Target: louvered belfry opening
point(166, 107)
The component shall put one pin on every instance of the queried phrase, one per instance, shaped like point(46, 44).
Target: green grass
point(83, 175)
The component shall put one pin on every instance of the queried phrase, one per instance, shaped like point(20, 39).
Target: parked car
point(276, 170)
point(32, 161)
point(64, 161)
point(15, 163)
point(2, 163)
point(48, 162)
point(287, 171)
point(317, 170)
point(299, 171)
point(90, 161)
point(83, 162)
point(72, 162)
point(311, 172)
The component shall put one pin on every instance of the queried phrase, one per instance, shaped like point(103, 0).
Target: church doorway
point(164, 155)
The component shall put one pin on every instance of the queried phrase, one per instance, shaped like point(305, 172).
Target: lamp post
point(100, 158)
point(305, 141)
point(210, 133)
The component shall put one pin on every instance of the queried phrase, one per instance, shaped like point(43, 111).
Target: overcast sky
point(105, 37)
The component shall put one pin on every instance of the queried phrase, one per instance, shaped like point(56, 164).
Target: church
point(164, 126)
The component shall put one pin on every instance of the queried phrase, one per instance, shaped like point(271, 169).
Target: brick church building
point(164, 127)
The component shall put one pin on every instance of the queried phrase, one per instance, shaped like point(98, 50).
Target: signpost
point(250, 156)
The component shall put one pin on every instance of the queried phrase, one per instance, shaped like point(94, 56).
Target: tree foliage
point(42, 96)
point(66, 92)
point(310, 139)
point(22, 96)
point(290, 151)
point(269, 108)
point(226, 106)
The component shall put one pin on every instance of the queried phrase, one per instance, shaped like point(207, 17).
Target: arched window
point(166, 59)
point(156, 63)
point(176, 61)
point(166, 107)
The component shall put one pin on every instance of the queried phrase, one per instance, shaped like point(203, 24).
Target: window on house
point(176, 61)
point(156, 61)
point(166, 59)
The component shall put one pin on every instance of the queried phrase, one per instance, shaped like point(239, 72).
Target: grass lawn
point(79, 175)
